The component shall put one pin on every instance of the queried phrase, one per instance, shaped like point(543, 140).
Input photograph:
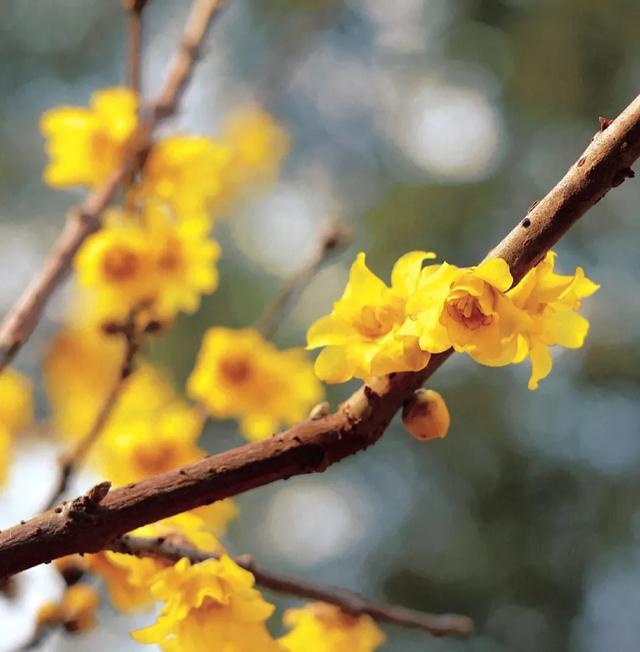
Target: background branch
point(313, 445)
point(349, 602)
point(84, 219)
point(332, 236)
point(72, 459)
point(135, 9)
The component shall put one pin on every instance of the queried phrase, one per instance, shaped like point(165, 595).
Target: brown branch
point(314, 445)
point(349, 602)
point(134, 64)
point(72, 459)
point(84, 219)
point(331, 237)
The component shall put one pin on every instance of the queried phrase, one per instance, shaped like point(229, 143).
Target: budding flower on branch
point(426, 416)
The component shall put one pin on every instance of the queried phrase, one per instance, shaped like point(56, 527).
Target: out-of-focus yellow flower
point(129, 578)
point(135, 448)
point(426, 416)
point(76, 611)
point(183, 258)
point(218, 515)
point(466, 309)
point(186, 172)
point(362, 335)
point(240, 375)
point(16, 408)
point(81, 367)
point(210, 603)
point(322, 627)
point(257, 144)
point(551, 300)
point(87, 145)
point(152, 262)
point(5, 452)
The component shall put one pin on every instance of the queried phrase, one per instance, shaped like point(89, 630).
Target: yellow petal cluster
point(551, 300)
point(87, 145)
point(147, 261)
point(128, 578)
point(241, 375)
point(209, 605)
point(322, 627)
point(363, 337)
point(16, 410)
point(375, 329)
point(188, 173)
point(76, 611)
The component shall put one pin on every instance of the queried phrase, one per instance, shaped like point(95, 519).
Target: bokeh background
point(424, 124)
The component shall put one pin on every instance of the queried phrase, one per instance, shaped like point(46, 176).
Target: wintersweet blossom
point(138, 447)
point(363, 336)
point(257, 145)
point(128, 578)
point(466, 309)
point(188, 173)
point(16, 410)
point(87, 145)
point(76, 611)
point(240, 375)
point(320, 627)
point(209, 603)
point(551, 300)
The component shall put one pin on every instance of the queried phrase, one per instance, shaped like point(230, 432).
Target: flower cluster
point(15, 412)
point(375, 329)
point(241, 375)
point(156, 252)
point(322, 627)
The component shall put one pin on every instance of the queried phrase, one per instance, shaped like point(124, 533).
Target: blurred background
point(425, 124)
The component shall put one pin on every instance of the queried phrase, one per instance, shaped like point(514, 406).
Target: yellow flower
point(322, 627)
point(76, 611)
point(6, 442)
point(16, 408)
point(186, 172)
point(87, 145)
point(210, 603)
point(183, 260)
point(16, 411)
point(240, 375)
point(362, 335)
point(155, 263)
point(257, 144)
point(129, 578)
point(551, 300)
point(137, 447)
point(81, 367)
point(466, 309)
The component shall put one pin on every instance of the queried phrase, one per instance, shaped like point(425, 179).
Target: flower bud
point(425, 415)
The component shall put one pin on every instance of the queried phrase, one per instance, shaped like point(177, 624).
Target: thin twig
point(84, 219)
point(71, 460)
point(313, 445)
point(349, 602)
point(135, 9)
point(332, 236)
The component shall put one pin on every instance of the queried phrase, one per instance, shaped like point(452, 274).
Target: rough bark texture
point(312, 446)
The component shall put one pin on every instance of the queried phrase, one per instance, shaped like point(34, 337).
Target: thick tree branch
point(349, 602)
point(314, 445)
point(84, 220)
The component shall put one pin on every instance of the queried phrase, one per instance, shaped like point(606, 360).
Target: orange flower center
point(236, 370)
point(120, 264)
point(154, 460)
point(375, 322)
point(170, 258)
point(466, 311)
